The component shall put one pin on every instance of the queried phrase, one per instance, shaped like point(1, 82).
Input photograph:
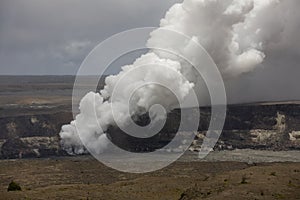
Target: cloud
point(33, 32)
point(73, 52)
point(48, 37)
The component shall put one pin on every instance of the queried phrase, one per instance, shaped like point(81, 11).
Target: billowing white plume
point(234, 32)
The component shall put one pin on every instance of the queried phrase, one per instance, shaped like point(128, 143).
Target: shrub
point(14, 187)
point(273, 174)
point(244, 180)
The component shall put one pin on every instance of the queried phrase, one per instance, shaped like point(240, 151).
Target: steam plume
point(235, 33)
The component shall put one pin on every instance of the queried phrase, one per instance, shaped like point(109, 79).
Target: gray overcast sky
point(54, 36)
point(45, 37)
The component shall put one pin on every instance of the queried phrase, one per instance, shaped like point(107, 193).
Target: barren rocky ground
point(32, 110)
point(86, 178)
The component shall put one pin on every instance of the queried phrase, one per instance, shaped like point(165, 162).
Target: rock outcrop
point(32, 134)
point(256, 126)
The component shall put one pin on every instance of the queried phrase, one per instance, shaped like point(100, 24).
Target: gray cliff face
point(256, 126)
point(32, 135)
point(273, 127)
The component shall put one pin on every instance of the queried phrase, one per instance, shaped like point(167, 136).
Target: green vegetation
point(273, 174)
point(13, 186)
point(278, 196)
point(244, 180)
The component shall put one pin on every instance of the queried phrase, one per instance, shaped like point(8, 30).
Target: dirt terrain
point(86, 178)
point(33, 109)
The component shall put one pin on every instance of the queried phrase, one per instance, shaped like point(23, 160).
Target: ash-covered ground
point(257, 155)
point(84, 177)
point(33, 109)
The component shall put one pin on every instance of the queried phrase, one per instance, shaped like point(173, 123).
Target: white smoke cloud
point(237, 34)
